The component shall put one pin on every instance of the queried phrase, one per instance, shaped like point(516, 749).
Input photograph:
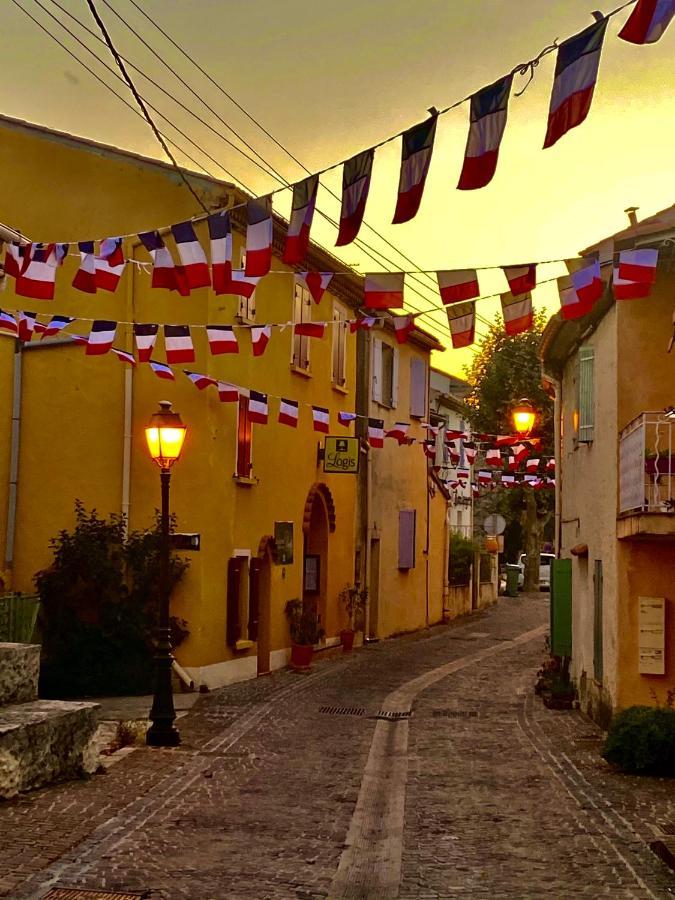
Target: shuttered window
point(246, 309)
point(418, 387)
point(235, 568)
point(586, 396)
point(385, 374)
point(302, 312)
point(406, 538)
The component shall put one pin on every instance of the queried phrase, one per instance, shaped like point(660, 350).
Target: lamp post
point(165, 434)
point(523, 416)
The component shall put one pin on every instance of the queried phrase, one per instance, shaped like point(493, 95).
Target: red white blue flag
point(493, 457)
point(124, 356)
point(365, 323)
point(164, 271)
point(193, 259)
point(384, 290)
point(54, 326)
point(37, 276)
point(8, 324)
point(376, 433)
point(110, 249)
point(576, 72)
point(220, 235)
point(222, 339)
point(242, 284)
point(355, 186)
point(489, 109)
point(227, 393)
point(639, 265)
point(108, 273)
point(16, 258)
point(458, 284)
point(310, 329)
point(145, 335)
point(321, 419)
point(300, 222)
point(257, 407)
point(648, 20)
point(288, 413)
point(462, 322)
point(315, 282)
point(259, 232)
point(101, 337)
point(517, 313)
point(403, 327)
point(399, 432)
point(200, 381)
point(346, 418)
point(260, 338)
point(26, 326)
point(85, 277)
point(521, 279)
point(178, 344)
point(417, 147)
point(623, 289)
point(161, 370)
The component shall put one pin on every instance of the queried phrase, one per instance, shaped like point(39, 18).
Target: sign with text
point(341, 455)
point(283, 543)
point(652, 623)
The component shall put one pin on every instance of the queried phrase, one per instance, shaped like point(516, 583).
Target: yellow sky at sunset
point(331, 78)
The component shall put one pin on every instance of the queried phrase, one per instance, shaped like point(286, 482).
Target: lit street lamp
point(165, 434)
point(523, 417)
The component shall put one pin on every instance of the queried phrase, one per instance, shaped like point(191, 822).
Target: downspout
point(557, 442)
point(14, 458)
point(128, 398)
point(427, 486)
point(363, 376)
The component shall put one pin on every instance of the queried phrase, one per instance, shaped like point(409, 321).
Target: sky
point(329, 78)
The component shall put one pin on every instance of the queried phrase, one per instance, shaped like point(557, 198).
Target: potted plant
point(353, 598)
point(305, 633)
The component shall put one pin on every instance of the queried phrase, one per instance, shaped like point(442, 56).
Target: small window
point(586, 399)
point(406, 538)
point(385, 374)
point(340, 328)
point(244, 437)
point(246, 310)
point(418, 387)
point(302, 312)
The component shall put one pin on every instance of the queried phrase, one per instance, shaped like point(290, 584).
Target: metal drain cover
point(80, 894)
point(342, 710)
point(391, 715)
point(668, 827)
point(455, 713)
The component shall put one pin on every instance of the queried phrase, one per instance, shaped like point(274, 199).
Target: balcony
point(647, 478)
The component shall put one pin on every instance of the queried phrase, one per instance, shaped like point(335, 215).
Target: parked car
point(544, 570)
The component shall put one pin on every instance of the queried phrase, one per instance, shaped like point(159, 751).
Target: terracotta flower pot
point(301, 657)
point(347, 638)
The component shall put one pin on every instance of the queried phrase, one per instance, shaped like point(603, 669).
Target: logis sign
point(341, 455)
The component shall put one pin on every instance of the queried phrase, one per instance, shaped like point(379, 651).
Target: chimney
point(631, 212)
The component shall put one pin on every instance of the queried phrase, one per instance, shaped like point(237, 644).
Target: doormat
point(80, 894)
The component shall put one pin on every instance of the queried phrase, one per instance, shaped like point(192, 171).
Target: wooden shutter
point(418, 387)
point(406, 538)
point(561, 607)
point(255, 568)
point(598, 652)
point(377, 370)
point(394, 378)
point(586, 395)
point(235, 567)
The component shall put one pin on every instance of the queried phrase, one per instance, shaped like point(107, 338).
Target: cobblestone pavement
point(482, 792)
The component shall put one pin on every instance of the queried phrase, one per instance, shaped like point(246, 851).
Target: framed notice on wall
point(283, 543)
point(652, 646)
point(312, 573)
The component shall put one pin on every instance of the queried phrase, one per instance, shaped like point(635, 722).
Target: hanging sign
point(341, 455)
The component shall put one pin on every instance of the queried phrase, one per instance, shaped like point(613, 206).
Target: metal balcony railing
point(647, 464)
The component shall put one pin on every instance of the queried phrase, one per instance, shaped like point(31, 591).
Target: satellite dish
point(494, 525)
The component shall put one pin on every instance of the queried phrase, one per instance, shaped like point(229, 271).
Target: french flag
point(227, 393)
point(220, 235)
point(399, 432)
point(54, 326)
point(484, 477)
point(101, 337)
point(8, 324)
point(521, 279)
point(532, 465)
point(242, 284)
point(576, 71)
point(315, 282)
point(193, 259)
point(164, 272)
point(26, 326)
point(288, 413)
point(376, 433)
point(123, 356)
point(384, 290)
point(429, 448)
point(300, 223)
point(403, 328)
point(145, 336)
point(259, 232)
point(16, 258)
point(520, 453)
point(629, 290)
point(587, 283)
point(648, 21)
point(260, 338)
point(638, 265)
point(418, 145)
point(462, 322)
point(257, 407)
point(509, 480)
point(365, 323)
point(469, 452)
point(178, 344)
point(489, 109)
point(162, 371)
point(108, 274)
point(200, 381)
point(550, 465)
point(310, 329)
point(38, 273)
point(110, 249)
point(517, 313)
point(321, 419)
point(459, 284)
point(221, 339)
point(355, 186)
point(493, 458)
point(346, 418)
point(85, 277)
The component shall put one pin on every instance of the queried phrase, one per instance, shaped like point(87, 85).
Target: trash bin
point(512, 573)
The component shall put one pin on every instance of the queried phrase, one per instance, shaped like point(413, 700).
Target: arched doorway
point(318, 523)
point(262, 566)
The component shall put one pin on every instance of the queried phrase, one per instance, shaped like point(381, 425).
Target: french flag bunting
point(429, 448)
point(462, 322)
point(26, 326)
point(200, 381)
point(8, 324)
point(300, 222)
point(475, 490)
point(365, 323)
point(192, 256)
point(509, 480)
point(384, 290)
point(505, 440)
point(463, 474)
point(520, 453)
point(550, 465)
point(227, 393)
point(355, 186)
point(469, 452)
point(79, 339)
point(376, 433)
point(450, 434)
point(54, 326)
point(106, 274)
point(242, 284)
point(493, 458)
point(260, 338)
point(321, 419)
point(417, 147)
point(257, 407)
point(101, 337)
point(164, 271)
point(85, 277)
point(346, 418)
point(628, 290)
point(521, 279)
point(61, 251)
point(399, 432)
point(310, 329)
point(315, 282)
point(647, 22)
point(489, 109)
point(162, 371)
point(178, 344)
point(638, 265)
point(432, 429)
point(576, 71)
point(222, 339)
point(220, 236)
point(37, 276)
point(517, 313)
point(259, 232)
point(145, 335)
point(124, 356)
point(16, 258)
point(110, 249)
point(288, 413)
point(403, 327)
point(532, 465)
point(587, 283)
point(454, 454)
point(484, 477)
point(459, 284)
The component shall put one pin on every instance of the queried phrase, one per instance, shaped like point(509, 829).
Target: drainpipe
point(14, 458)
point(128, 398)
point(427, 486)
point(557, 442)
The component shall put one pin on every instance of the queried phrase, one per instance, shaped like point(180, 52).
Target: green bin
point(512, 573)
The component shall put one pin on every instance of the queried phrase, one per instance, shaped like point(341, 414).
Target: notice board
point(652, 645)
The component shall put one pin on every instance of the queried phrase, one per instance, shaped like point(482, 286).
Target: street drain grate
point(79, 894)
point(455, 714)
point(391, 715)
point(668, 827)
point(342, 710)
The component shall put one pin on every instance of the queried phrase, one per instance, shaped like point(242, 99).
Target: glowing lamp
point(523, 417)
point(165, 434)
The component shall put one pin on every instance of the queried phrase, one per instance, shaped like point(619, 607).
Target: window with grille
point(340, 328)
point(302, 312)
point(586, 397)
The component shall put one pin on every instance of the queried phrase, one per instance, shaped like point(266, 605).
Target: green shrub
point(460, 559)
point(641, 739)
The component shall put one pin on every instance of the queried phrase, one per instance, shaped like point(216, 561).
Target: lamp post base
point(162, 732)
point(162, 736)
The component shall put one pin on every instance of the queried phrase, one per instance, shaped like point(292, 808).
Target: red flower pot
point(347, 638)
point(301, 657)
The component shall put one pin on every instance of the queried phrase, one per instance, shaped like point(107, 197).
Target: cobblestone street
point(273, 794)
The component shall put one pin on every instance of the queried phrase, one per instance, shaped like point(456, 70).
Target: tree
point(504, 370)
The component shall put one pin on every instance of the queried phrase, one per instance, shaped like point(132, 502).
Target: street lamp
point(165, 434)
point(523, 417)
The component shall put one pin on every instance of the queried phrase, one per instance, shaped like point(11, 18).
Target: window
point(585, 396)
point(246, 309)
point(418, 387)
point(340, 329)
point(244, 435)
point(406, 538)
point(385, 374)
point(302, 312)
